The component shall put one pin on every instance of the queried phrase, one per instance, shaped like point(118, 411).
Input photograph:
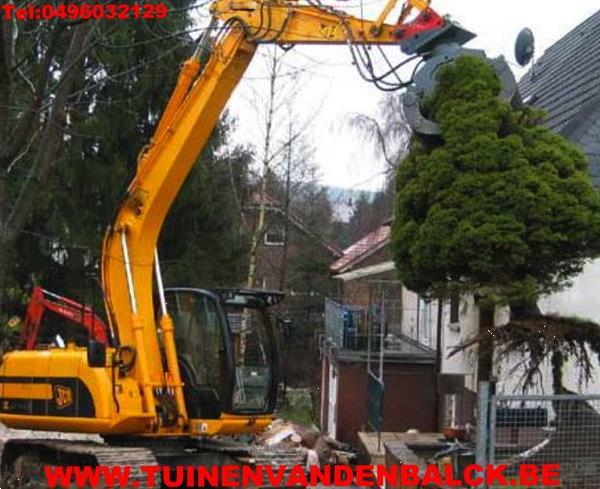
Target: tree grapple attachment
point(437, 48)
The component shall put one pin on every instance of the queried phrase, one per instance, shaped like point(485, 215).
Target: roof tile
point(567, 77)
point(354, 253)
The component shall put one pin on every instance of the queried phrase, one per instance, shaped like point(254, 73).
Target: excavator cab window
point(258, 373)
point(253, 360)
point(226, 349)
point(204, 354)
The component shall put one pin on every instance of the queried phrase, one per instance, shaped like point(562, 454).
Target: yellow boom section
point(192, 113)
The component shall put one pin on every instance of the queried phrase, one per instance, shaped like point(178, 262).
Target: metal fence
point(359, 329)
point(343, 322)
point(538, 429)
point(349, 326)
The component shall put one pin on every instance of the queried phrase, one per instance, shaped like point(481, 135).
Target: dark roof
point(566, 80)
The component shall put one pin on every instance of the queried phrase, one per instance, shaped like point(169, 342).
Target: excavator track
point(44, 452)
point(213, 452)
point(276, 457)
point(63, 452)
point(37, 453)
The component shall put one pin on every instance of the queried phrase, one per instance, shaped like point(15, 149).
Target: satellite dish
point(525, 47)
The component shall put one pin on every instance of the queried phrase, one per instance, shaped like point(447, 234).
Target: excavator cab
point(259, 370)
point(204, 351)
point(226, 351)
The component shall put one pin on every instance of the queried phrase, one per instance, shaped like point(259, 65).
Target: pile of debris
point(320, 449)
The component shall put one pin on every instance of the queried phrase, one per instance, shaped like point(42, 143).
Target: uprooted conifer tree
point(499, 207)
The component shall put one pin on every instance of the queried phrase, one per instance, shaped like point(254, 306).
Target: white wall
point(419, 318)
point(581, 299)
point(409, 313)
point(417, 315)
point(464, 363)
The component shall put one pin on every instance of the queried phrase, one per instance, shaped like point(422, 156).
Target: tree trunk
point(438, 366)
point(48, 152)
point(257, 233)
point(4, 261)
point(259, 229)
point(485, 359)
point(557, 360)
point(286, 211)
point(6, 63)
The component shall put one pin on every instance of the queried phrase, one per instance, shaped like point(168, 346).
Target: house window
point(454, 309)
point(274, 237)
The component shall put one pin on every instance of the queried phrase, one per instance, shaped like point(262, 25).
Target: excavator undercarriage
point(141, 462)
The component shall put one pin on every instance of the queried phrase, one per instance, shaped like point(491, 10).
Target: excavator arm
point(206, 82)
point(201, 93)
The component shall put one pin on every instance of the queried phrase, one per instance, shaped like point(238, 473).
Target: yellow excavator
point(175, 383)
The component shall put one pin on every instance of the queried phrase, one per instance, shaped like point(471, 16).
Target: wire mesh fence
point(538, 430)
point(343, 322)
point(387, 322)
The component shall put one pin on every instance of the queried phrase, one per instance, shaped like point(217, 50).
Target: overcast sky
point(332, 90)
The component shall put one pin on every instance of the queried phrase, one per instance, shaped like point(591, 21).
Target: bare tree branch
point(23, 130)
point(51, 139)
point(6, 41)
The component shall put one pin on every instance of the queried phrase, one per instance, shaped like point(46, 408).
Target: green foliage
point(298, 407)
point(9, 332)
point(120, 93)
point(500, 205)
point(368, 213)
point(309, 262)
point(126, 83)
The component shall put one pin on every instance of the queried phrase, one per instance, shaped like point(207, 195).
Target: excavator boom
point(191, 115)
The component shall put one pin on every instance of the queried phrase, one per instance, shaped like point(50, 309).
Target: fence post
point(492, 430)
point(483, 404)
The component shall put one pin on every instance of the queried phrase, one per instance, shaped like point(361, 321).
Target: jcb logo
point(63, 396)
point(328, 31)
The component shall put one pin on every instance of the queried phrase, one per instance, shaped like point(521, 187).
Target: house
point(372, 312)
point(293, 258)
point(368, 258)
point(373, 381)
point(366, 270)
point(280, 257)
point(565, 83)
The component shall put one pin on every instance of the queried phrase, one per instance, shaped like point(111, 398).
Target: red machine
point(42, 300)
point(428, 20)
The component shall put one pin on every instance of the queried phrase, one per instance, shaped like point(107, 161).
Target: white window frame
point(273, 230)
